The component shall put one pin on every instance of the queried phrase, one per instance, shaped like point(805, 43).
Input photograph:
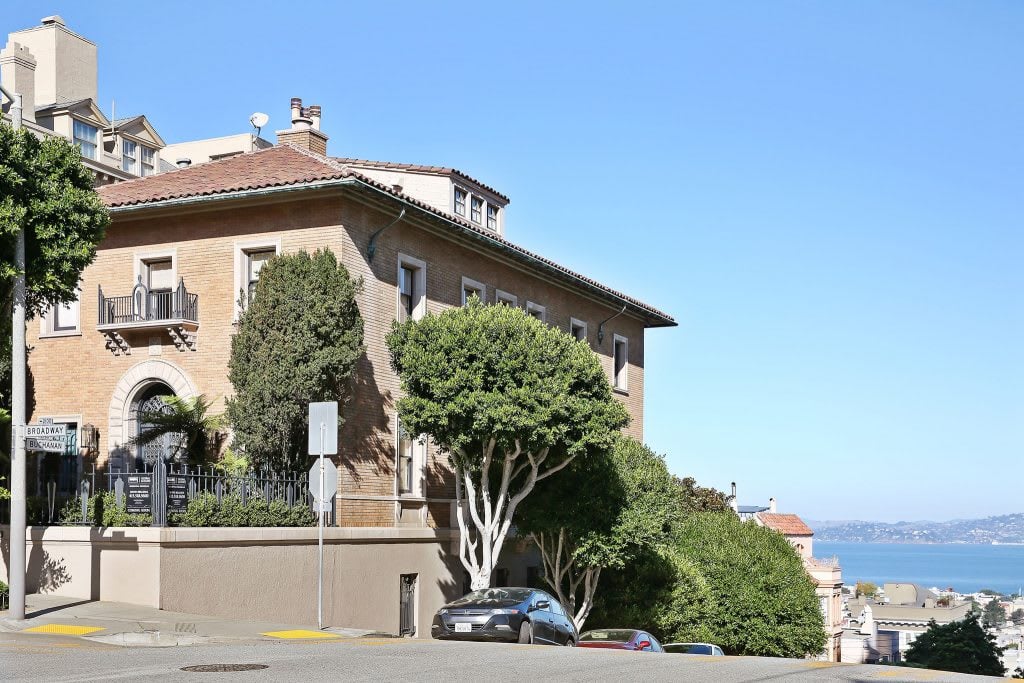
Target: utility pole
point(16, 565)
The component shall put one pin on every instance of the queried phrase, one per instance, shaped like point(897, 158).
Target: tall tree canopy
point(298, 341)
point(961, 646)
point(45, 189)
point(598, 514)
point(511, 400)
point(762, 599)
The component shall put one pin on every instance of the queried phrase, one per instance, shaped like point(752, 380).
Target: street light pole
point(16, 566)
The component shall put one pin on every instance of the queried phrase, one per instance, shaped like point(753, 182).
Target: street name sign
point(46, 437)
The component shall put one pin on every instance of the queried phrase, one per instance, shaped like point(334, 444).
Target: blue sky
point(827, 196)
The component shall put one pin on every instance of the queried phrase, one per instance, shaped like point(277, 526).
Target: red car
point(621, 639)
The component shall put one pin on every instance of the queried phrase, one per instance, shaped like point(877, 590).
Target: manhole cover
point(219, 668)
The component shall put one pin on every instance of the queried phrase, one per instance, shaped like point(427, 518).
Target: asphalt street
point(45, 657)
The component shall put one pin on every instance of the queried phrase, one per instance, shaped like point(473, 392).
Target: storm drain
point(221, 668)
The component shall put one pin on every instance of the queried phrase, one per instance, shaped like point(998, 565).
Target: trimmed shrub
point(204, 510)
point(102, 510)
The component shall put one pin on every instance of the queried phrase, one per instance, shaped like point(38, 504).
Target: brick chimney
point(305, 131)
point(18, 74)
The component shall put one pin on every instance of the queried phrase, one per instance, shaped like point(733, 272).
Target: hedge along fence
point(203, 510)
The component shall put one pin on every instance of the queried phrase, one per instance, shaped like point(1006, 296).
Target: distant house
point(55, 71)
point(826, 572)
point(902, 619)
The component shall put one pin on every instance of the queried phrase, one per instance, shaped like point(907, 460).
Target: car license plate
point(463, 627)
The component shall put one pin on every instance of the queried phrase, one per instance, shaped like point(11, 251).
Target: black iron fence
point(166, 489)
point(143, 305)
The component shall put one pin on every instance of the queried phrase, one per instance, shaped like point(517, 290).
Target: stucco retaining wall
point(262, 574)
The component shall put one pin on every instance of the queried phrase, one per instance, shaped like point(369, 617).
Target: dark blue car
point(514, 615)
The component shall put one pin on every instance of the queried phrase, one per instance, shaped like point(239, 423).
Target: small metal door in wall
point(407, 606)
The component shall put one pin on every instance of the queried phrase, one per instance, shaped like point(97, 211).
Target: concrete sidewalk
point(118, 623)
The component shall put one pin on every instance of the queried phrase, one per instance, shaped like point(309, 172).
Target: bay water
point(966, 568)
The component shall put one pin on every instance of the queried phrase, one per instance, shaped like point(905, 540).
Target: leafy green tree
point(45, 189)
point(961, 646)
point(1017, 617)
point(510, 400)
point(194, 433)
point(701, 498)
point(994, 614)
point(298, 341)
point(631, 503)
point(659, 589)
point(762, 601)
point(866, 589)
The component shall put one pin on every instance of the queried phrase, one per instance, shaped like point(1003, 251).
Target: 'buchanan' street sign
point(51, 438)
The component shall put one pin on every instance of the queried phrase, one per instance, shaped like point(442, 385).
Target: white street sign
point(323, 440)
point(330, 480)
point(46, 445)
point(46, 431)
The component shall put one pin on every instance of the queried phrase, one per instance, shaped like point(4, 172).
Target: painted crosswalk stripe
point(64, 629)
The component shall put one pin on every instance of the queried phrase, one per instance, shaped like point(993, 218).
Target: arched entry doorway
point(150, 401)
point(138, 384)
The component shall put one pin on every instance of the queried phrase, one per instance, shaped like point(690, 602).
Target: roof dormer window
point(85, 137)
point(476, 209)
point(148, 160)
point(492, 217)
point(128, 151)
point(460, 201)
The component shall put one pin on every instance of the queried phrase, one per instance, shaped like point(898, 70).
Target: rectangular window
point(472, 287)
point(620, 365)
point(578, 329)
point(536, 311)
point(476, 209)
point(406, 459)
point(128, 152)
point(148, 161)
point(501, 297)
point(159, 275)
point(492, 217)
point(412, 287)
point(460, 201)
point(85, 137)
point(255, 260)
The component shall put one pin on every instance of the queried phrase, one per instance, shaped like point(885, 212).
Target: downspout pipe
point(16, 566)
point(600, 326)
point(371, 248)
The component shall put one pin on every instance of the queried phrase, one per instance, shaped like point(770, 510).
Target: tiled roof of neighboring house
point(286, 166)
point(126, 119)
point(788, 525)
point(416, 168)
point(750, 509)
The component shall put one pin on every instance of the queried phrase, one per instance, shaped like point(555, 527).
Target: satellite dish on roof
point(258, 120)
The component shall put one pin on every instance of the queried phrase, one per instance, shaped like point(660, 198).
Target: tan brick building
point(158, 308)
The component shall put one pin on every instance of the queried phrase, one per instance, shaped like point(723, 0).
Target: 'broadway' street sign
point(50, 438)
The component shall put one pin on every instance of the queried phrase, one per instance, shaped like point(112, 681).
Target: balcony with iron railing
point(176, 310)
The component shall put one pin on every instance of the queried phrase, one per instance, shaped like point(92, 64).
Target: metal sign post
point(323, 439)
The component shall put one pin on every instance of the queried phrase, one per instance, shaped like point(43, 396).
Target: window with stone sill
point(620, 364)
point(128, 156)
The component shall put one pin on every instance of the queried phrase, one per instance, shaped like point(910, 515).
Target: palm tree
point(192, 429)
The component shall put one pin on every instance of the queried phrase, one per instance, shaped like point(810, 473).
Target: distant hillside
point(1004, 529)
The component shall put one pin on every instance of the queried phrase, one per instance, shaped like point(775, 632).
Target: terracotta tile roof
point(271, 167)
point(788, 525)
point(417, 168)
point(285, 165)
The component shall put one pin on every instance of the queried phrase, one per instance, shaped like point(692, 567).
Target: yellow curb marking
point(301, 634)
point(63, 629)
